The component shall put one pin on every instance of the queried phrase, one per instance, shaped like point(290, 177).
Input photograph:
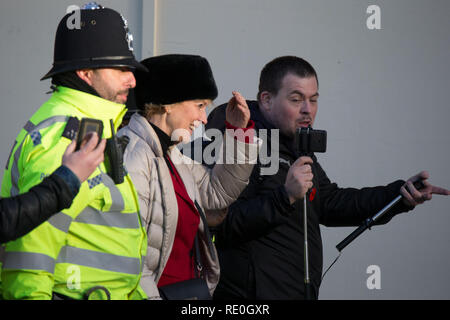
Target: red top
point(243, 134)
point(180, 265)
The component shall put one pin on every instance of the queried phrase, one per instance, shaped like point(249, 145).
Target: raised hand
point(237, 112)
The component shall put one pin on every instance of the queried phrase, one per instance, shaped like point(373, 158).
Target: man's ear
point(86, 75)
point(265, 100)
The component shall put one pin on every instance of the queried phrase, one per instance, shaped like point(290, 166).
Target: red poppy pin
point(312, 194)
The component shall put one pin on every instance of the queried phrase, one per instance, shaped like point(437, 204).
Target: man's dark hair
point(273, 73)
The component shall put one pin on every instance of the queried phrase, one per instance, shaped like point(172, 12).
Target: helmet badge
point(128, 35)
point(91, 6)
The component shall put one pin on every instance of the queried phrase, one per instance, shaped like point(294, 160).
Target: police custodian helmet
point(100, 40)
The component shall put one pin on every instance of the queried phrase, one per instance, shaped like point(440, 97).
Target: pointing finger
point(439, 190)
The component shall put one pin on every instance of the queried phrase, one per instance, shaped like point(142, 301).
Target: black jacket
point(21, 214)
point(260, 242)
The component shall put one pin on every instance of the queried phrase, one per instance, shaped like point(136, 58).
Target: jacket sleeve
point(264, 206)
point(351, 206)
point(221, 185)
point(261, 207)
point(21, 214)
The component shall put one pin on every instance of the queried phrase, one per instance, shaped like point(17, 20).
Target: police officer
point(99, 242)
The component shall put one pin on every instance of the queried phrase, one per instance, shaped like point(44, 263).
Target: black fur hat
point(174, 78)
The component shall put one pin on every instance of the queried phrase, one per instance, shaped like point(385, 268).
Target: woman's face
point(182, 118)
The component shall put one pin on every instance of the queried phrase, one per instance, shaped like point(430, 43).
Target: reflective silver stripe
point(110, 219)
point(61, 221)
point(10, 153)
point(15, 175)
point(116, 197)
point(28, 261)
point(99, 260)
point(29, 127)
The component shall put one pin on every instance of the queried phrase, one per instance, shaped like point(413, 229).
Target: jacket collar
point(71, 80)
point(164, 139)
point(90, 105)
point(142, 128)
point(257, 116)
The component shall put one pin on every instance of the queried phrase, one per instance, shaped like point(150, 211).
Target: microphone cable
point(328, 269)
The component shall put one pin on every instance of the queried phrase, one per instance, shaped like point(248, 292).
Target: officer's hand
point(84, 161)
point(413, 197)
point(299, 179)
point(237, 112)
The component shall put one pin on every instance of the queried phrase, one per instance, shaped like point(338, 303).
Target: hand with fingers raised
point(237, 112)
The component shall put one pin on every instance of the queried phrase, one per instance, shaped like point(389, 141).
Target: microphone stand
point(306, 143)
point(307, 280)
point(371, 221)
point(308, 292)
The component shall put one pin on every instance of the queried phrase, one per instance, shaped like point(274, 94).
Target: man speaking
point(260, 242)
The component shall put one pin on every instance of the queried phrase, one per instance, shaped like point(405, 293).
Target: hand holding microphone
point(299, 179)
point(412, 196)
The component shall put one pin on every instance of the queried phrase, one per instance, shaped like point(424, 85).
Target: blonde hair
point(151, 109)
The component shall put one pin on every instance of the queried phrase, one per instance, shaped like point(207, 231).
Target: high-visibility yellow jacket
point(99, 240)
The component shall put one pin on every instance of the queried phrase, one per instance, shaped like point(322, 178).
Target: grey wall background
point(383, 101)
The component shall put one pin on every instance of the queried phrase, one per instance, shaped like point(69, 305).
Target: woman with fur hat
point(173, 190)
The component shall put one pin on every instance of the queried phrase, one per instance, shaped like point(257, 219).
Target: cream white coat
point(212, 189)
